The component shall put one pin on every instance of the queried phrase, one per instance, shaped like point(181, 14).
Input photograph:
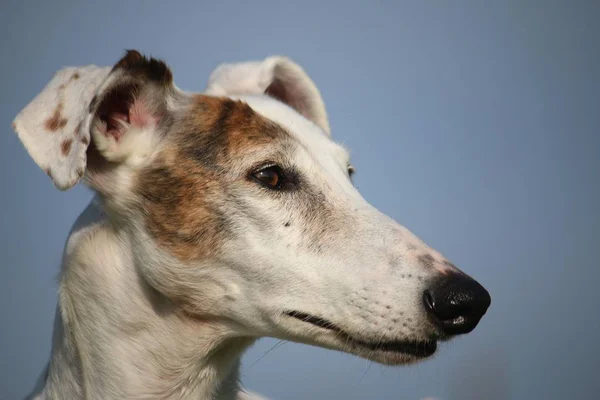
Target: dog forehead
point(308, 134)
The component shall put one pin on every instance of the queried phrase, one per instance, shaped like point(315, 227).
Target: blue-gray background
point(475, 124)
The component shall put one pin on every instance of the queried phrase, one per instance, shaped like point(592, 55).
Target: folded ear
point(115, 106)
point(278, 77)
point(52, 126)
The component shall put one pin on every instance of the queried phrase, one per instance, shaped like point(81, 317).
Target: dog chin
point(391, 358)
point(409, 352)
point(400, 352)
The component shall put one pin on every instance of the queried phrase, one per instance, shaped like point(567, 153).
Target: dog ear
point(53, 126)
point(110, 105)
point(278, 77)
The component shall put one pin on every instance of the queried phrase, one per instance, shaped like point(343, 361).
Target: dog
point(219, 218)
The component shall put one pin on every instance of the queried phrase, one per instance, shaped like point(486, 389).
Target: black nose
point(456, 303)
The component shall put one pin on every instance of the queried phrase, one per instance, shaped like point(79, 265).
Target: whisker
point(275, 346)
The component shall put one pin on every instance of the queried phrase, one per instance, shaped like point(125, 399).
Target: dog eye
point(271, 177)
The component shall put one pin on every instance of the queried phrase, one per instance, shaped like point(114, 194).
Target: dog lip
point(417, 348)
point(320, 322)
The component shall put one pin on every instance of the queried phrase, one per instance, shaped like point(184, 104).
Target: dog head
point(240, 206)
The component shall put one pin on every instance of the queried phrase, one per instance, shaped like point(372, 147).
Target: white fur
point(118, 336)
point(133, 149)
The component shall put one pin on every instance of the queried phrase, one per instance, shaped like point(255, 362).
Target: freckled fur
point(65, 147)
point(56, 121)
point(426, 260)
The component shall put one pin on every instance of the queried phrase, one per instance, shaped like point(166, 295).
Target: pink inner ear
point(140, 116)
point(120, 111)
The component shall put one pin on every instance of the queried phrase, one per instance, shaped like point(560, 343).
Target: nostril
point(450, 308)
point(429, 302)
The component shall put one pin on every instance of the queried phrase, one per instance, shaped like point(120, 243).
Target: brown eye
point(270, 177)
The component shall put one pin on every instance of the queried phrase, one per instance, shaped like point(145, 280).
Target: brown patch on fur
point(184, 192)
point(75, 76)
point(85, 140)
point(56, 121)
point(48, 172)
point(14, 126)
point(65, 147)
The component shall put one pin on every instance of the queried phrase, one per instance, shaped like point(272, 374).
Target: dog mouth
point(415, 348)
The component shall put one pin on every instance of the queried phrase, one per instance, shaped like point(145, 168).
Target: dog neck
point(119, 338)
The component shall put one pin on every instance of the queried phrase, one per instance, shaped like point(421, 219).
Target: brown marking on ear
point(56, 121)
point(65, 147)
point(142, 67)
point(76, 131)
point(131, 57)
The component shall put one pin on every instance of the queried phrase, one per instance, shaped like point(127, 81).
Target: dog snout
point(456, 303)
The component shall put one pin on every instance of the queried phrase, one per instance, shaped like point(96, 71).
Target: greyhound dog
point(219, 218)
